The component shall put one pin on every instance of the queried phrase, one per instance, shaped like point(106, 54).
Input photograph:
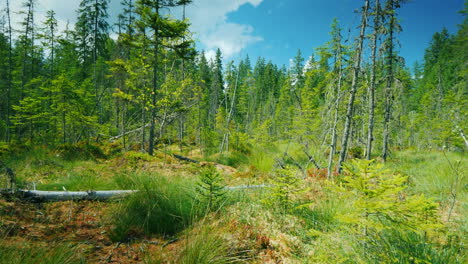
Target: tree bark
point(357, 68)
point(67, 196)
point(388, 89)
point(9, 81)
point(335, 124)
point(370, 128)
point(155, 85)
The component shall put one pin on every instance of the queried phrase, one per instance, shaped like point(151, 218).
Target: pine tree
point(392, 27)
point(211, 189)
point(92, 33)
point(163, 30)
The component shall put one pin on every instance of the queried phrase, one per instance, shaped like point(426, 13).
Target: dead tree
point(354, 84)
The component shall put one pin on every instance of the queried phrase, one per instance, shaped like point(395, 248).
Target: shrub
point(355, 152)
point(286, 187)
point(378, 200)
point(392, 246)
point(80, 151)
point(133, 157)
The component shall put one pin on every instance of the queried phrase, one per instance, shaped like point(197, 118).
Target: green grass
point(206, 247)
point(431, 173)
point(165, 206)
point(52, 254)
point(161, 206)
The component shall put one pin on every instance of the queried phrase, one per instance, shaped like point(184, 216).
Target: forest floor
point(247, 229)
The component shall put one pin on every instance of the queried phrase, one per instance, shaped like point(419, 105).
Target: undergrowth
point(30, 254)
point(161, 206)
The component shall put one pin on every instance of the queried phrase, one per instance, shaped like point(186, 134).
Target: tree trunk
point(357, 68)
point(388, 89)
point(370, 128)
point(96, 93)
point(67, 196)
point(155, 86)
point(9, 81)
point(335, 124)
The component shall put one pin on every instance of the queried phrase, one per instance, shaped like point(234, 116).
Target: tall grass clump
point(63, 254)
point(161, 206)
point(206, 247)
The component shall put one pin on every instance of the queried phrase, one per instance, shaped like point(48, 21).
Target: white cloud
point(210, 55)
point(208, 18)
point(210, 25)
point(65, 11)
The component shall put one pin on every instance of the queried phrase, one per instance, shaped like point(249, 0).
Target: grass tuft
point(161, 206)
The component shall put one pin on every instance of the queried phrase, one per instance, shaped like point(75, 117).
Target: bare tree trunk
point(388, 89)
point(356, 69)
point(143, 130)
point(96, 92)
point(9, 81)
point(460, 131)
point(370, 128)
point(225, 141)
point(155, 85)
point(335, 124)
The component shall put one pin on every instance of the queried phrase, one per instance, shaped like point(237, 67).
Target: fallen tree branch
point(129, 132)
point(311, 159)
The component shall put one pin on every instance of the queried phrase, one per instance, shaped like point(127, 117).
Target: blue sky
point(286, 26)
point(276, 29)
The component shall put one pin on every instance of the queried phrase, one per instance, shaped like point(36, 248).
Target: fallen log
point(66, 195)
point(55, 196)
point(240, 187)
point(185, 158)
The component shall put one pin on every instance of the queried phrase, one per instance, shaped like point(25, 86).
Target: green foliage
point(160, 207)
point(80, 151)
point(134, 157)
point(210, 189)
point(378, 200)
point(233, 159)
point(397, 246)
point(285, 190)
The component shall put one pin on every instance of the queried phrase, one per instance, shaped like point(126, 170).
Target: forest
point(347, 155)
